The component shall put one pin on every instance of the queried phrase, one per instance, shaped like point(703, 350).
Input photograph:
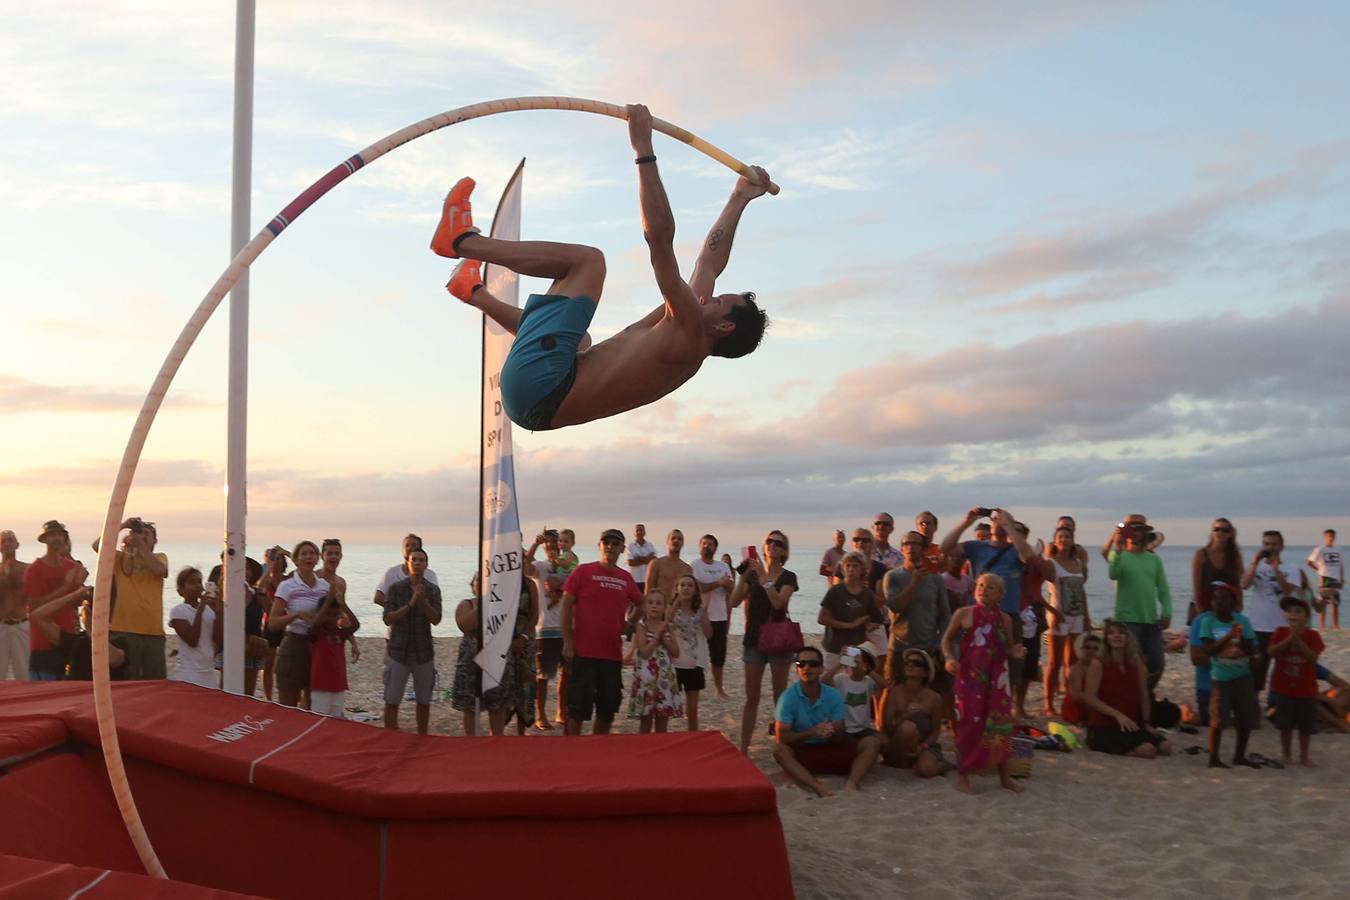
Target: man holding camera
point(1004, 554)
point(1269, 579)
point(138, 618)
point(548, 636)
point(1143, 598)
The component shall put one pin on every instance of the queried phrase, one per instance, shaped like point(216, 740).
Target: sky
point(1055, 257)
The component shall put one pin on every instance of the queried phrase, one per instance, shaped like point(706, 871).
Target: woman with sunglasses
point(1117, 698)
point(984, 720)
point(1220, 560)
point(911, 715)
point(1074, 709)
point(1068, 610)
point(766, 587)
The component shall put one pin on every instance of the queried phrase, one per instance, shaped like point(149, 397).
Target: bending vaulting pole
point(131, 456)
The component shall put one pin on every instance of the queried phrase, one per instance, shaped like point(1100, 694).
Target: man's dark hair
point(750, 322)
point(1330, 531)
point(421, 551)
point(810, 649)
point(331, 542)
point(1274, 534)
point(709, 537)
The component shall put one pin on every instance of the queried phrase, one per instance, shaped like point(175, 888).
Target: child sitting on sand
point(654, 695)
point(1293, 685)
point(327, 663)
point(857, 680)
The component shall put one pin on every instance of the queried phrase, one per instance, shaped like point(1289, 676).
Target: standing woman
point(692, 628)
point(1069, 616)
point(294, 609)
point(766, 591)
point(272, 577)
point(1218, 560)
point(984, 720)
point(1079, 551)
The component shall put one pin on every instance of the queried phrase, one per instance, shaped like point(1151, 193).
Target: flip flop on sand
point(1265, 761)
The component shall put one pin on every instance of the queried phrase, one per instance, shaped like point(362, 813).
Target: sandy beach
point(1087, 824)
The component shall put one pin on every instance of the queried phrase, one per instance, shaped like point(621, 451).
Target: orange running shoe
point(466, 278)
point(456, 219)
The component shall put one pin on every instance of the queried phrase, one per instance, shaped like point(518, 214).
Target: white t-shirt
point(1262, 604)
point(716, 599)
point(397, 573)
point(196, 665)
point(636, 549)
point(857, 702)
point(1328, 561)
point(301, 598)
point(550, 618)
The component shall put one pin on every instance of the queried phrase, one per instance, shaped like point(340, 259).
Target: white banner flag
point(500, 555)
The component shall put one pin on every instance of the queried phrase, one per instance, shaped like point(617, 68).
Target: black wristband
point(645, 159)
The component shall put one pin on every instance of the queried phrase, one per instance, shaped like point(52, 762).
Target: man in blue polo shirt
point(812, 739)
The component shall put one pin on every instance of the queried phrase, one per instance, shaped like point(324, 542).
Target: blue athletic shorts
point(542, 365)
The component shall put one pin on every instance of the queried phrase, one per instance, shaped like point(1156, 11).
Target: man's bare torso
point(635, 367)
point(12, 604)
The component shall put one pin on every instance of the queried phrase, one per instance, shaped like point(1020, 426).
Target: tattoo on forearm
point(714, 239)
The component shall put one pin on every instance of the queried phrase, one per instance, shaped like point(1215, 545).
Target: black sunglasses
point(916, 662)
point(774, 542)
point(808, 663)
point(884, 524)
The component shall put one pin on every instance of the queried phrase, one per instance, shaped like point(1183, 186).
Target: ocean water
point(363, 565)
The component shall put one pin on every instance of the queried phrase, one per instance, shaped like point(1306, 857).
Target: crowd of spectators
point(921, 633)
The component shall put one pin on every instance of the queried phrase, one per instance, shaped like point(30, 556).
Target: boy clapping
point(1293, 686)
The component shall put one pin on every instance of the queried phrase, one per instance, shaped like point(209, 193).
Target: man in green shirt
point(1143, 599)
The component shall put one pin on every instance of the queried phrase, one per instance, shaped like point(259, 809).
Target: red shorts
point(833, 758)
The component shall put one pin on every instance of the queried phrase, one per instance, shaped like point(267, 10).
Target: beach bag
point(1164, 714)
point(1023, 755)
point(779, 637)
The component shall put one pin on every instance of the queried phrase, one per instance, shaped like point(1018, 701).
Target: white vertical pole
point(236, 454)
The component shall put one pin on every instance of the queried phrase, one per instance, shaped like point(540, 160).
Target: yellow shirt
point(140, 597)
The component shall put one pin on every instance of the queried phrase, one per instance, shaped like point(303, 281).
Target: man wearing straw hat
point(553, 377)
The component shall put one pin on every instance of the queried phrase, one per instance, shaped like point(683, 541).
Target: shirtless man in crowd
point(13, 611)
point(553, 377)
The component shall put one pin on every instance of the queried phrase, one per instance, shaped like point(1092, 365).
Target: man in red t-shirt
point(595, 604)
point(48, 577)
point(1293, 685)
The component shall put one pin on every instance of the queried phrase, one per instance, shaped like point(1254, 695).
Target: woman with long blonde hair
point(1117, 699)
